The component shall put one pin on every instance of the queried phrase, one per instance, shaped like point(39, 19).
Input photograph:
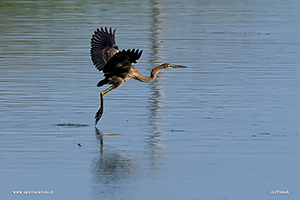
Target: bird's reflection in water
point(111, 170)
point(100, 137)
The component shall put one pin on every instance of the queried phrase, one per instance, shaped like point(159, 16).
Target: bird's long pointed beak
point(178, 66)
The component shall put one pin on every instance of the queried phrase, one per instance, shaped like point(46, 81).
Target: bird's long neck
point(152, 76)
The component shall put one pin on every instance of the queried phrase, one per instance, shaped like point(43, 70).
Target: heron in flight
point(115, 64)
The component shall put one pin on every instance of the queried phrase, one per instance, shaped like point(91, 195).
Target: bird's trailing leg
point(100, 111)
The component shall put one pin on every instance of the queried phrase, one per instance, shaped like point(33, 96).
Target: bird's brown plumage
point(117, 65)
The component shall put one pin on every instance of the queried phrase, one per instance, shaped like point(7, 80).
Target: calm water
point(227, 127)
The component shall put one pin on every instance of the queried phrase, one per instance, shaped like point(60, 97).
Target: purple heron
point(115, 64)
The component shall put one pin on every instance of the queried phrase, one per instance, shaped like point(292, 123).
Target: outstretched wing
point(103, 47)
point(121, 62)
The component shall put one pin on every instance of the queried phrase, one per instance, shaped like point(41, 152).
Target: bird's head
point(168, 65)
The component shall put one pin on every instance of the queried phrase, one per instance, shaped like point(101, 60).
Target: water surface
point(227, 127)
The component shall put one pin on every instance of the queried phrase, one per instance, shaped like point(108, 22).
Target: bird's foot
point(98, 115)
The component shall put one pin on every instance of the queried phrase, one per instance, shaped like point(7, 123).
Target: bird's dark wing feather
point(103, 47)
point(121, 61)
